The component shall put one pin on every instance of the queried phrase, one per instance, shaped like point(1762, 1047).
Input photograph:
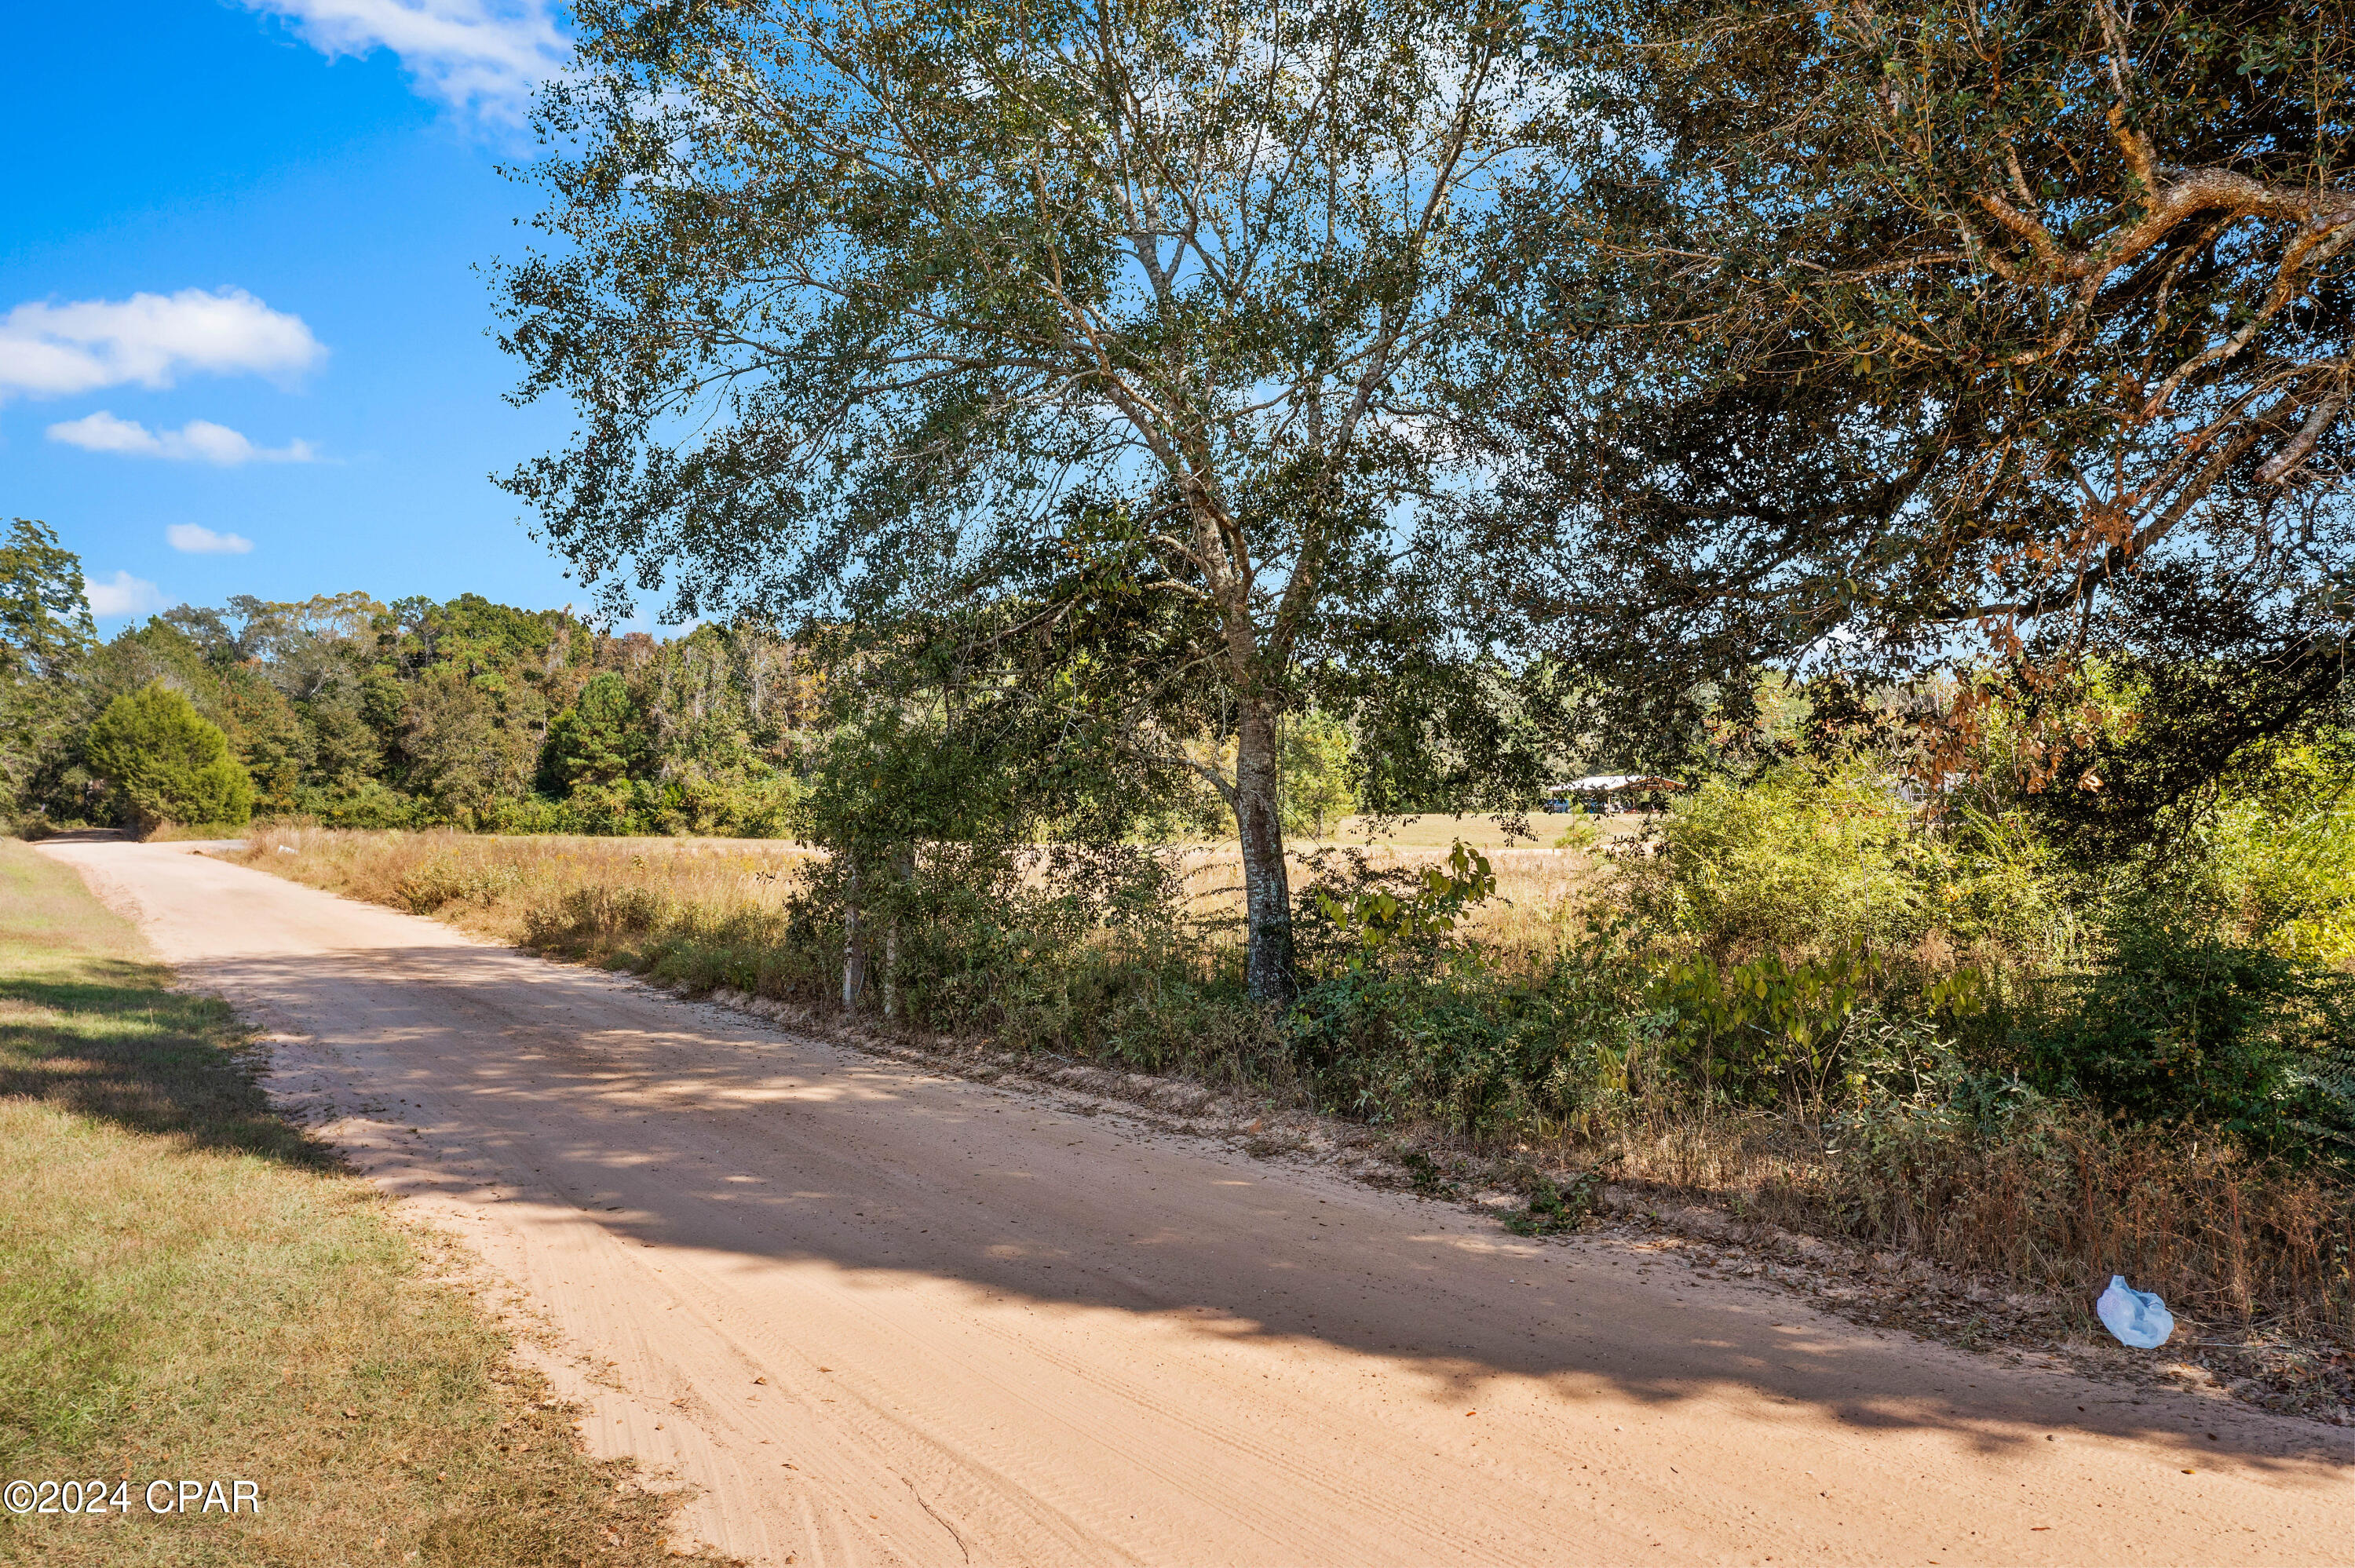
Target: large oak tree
point(1887, 336)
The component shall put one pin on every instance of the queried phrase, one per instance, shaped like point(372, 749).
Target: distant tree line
point(354, 712)
point(360, 713)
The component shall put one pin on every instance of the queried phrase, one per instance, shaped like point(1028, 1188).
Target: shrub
point(1800, 862)
point(367, 803)
point(2273, 859)
point(2181, 1026)
point(165, 763)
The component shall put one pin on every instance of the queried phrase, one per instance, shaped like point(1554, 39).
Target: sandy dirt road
point(883, 1317)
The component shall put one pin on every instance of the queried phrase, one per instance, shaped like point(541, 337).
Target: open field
point(193, 1288)
point(884, 1314)
point(489, 883)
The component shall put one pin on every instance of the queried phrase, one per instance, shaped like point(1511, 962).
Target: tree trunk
point(854, 956)
point(1267, 890)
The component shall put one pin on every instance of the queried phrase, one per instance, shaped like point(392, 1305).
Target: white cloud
point(199, 440)
point(122, 595)
point(195, 539)
point(50, 351)
point(486, 55)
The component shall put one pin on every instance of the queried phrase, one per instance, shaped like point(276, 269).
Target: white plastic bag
point(2137, 1316)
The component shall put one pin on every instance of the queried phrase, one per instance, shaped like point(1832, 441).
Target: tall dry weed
point(2056, 1202)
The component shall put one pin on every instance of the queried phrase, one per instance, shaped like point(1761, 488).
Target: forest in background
point(345, 711)
point(356, 712)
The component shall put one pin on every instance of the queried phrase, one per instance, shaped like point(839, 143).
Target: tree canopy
point(163, 762)
point(870, 310)
point(44, 633)
point(1884, 337)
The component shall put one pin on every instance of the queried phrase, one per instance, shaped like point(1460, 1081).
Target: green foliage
point(45, 637)
point(2177, 1025)
point(2271, 860)
point(1771, 1031)
point(163, 763)
point(1157, 461)
point(600, 739)
point(1579, 832)
point(353, 714)
point(1476, 1050)
point(1799, 860)
point(1419, 908)
point(1764, 1027)
point(1810, 927)
point(1318, 781)
point(1868, 331)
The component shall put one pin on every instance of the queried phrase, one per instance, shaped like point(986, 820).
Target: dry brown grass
point(191, 1289)
point(1537, 888)
point(490, 884)
point(2056, 1209)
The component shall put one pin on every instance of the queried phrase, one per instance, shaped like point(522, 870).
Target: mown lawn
point(191, 1289)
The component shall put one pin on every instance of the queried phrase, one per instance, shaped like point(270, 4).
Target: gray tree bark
point(1267, 888)
point(854, 956)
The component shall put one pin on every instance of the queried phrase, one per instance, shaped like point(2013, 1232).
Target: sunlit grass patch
point(190, 1289)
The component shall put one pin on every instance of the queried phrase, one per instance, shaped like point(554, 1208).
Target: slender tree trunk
point(854, 956)
point(1267, 889)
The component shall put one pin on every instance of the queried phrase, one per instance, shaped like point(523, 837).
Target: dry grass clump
point(490, 885)
point(191, 1289)
point(2056, 1205)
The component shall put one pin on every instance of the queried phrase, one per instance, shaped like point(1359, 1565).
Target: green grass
point(192, 1288)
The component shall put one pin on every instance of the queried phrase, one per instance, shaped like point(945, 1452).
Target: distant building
point(1605, 792)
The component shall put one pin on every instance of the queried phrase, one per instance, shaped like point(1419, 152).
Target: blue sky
point(240, 296)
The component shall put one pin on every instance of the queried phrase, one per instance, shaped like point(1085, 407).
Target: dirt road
point(885, 1316)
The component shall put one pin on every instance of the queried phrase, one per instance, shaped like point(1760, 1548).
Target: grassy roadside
point(190, 1289)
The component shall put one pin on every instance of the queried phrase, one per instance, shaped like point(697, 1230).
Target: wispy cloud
point(199, 440)
point(50, 350)
point(122, 594)
point(195, 539)
point(482, 55)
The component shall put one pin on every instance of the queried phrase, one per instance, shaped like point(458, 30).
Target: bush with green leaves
point(1407, 1021)
point(2272, 859)
point(2180, 1025)
point(1800, 860)
point(1547, 1050)
point(163, 762)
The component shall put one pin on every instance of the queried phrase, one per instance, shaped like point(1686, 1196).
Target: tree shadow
point(672, 1123)
point(104, 1038)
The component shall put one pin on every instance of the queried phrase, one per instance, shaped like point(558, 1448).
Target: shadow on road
point(673, 1124)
